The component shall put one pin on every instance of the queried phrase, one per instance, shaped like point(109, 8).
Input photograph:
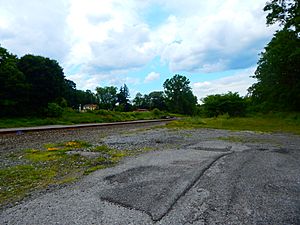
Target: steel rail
point(20, 130)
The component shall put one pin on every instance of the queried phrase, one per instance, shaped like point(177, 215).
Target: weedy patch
point(66, 146)
point(187, 123)
point(17, 180)
point(257, 124)
point(241, 139)
point(52, 165)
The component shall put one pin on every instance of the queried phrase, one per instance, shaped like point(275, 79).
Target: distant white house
point(89, 107)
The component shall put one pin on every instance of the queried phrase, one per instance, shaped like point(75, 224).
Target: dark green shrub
point(156, 112)
point(230, 103)
point(54, 110)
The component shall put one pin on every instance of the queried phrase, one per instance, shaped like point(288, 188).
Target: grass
point(239, 139)
point(53, 165)
point(17, 180)
point(73, 117)
point(269, 123)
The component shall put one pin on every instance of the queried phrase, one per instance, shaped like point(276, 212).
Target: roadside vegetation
point(280, 122)
point(70, 116)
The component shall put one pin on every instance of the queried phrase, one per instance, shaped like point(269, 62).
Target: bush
point(54, 110)
point(156, 112)
point(231, 103)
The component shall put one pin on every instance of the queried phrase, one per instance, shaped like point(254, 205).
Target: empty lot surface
point(201, 176)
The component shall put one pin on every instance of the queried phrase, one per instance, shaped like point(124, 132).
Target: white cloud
point(229, 37)
point(111, 38)
point(108, 36)
point(35, 27)
point(114, 37)
point(238, 82)
point(152, 77)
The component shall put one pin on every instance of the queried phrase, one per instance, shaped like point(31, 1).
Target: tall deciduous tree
point(278, 71)
point(13, 86)
point(46, 78)
point(157, 100)
point(179, 96)
point(138, 100)
point(107, 97)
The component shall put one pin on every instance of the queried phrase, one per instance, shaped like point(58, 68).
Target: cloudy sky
point(142, 42)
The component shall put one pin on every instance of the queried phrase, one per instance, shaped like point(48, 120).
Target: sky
point(141, 43)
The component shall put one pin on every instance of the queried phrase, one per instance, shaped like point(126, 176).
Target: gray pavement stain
point(155, 189)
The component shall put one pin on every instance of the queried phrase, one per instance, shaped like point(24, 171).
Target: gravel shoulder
point(201, 176)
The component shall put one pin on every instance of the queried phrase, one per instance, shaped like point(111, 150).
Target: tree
point(157, 100)
point(70, 93)
point(179, 96)
point(278, 71)
point(85, 97)
point(107, 97)
point(13, 86)
point(138, 100)
point(284, 12)
point(46, 78)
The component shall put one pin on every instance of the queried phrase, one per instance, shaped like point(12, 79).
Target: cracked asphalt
point(202, 176)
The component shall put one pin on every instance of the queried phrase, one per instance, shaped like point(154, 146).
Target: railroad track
point(77, 126)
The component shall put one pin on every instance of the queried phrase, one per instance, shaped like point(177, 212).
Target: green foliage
point(13, 86)
point(138, 101)
point(123, 99)
point(278, 74)
point(155, 99)
point(179, 96)
point(231, 103)
point(107, 97)
point(278, 71)
point(28, 84)
point(156, 112)
point(46, 79)
point(285, 12)
point(74, 117)
point(54, 110)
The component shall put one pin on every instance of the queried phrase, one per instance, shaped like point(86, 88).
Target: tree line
point(177, 97)
point(36, 85)
point(33, 85)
